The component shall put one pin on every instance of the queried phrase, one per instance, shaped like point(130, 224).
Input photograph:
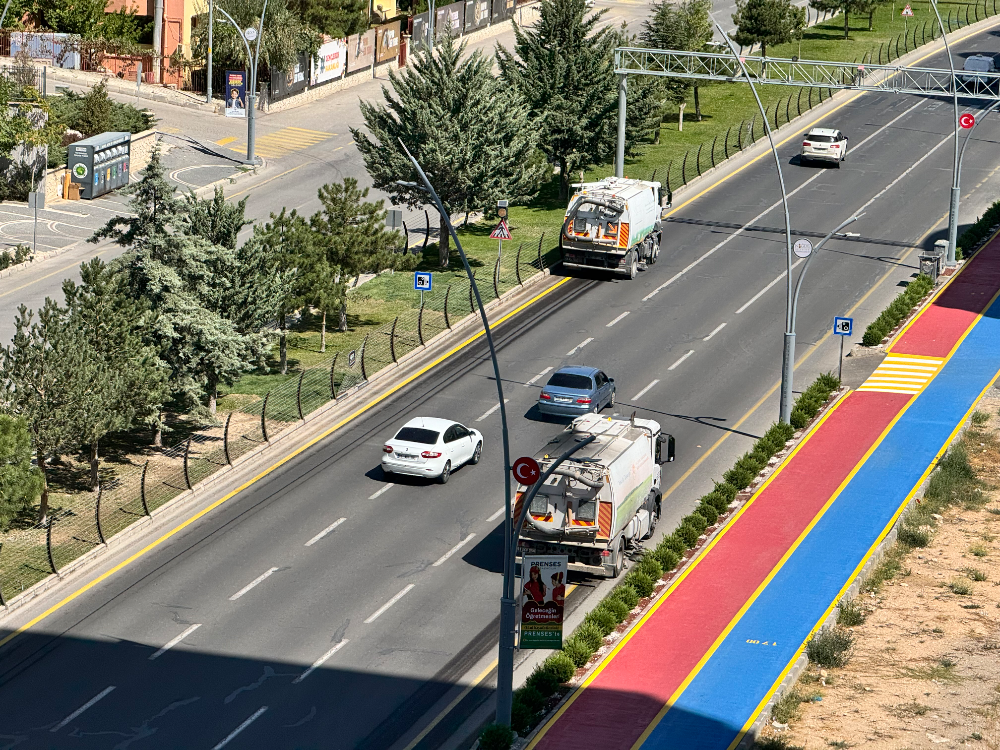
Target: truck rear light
point(605, 553)
point(583, 400)
point(387, 449)
point(544, 396)
point(430, 454)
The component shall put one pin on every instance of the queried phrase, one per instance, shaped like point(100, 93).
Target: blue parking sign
point(843, 326)
point(422, 281)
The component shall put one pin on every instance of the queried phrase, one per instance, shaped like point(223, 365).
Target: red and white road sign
point(502, 232)
point(907, 11)
point(526, 470)
point(967, 120)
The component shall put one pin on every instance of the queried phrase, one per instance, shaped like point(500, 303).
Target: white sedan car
point(431, 447)
point(824, 144)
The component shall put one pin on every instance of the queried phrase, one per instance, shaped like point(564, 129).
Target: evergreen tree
point(82, 17)
point(45, 376)
point(470, 133)
point(20, 482)
point(214, 219)
point(350, 232)
point(846, 7)
point(96, 111)
point(336, 18)
point(687, 26)
point(767, 22)
point(127, 377)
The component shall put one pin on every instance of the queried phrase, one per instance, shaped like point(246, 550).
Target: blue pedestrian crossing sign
point(843, 326)
point(422, 281)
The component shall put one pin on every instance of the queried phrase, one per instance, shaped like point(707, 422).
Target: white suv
point(824, 144)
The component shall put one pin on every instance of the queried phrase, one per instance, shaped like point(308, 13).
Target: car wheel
point(619, 559)
point(612, 401)
point(446, 473)
point(477, 454)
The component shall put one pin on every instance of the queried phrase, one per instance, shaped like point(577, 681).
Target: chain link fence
point(84, 521)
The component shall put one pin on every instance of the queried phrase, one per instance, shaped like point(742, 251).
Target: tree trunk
point(563, 180)
point(697, 104)
point(213, 395)
point(43, 503)
point(343, 316)
point(282, 343)
point(95, 478)
point(322, 335)
point(847, 23)
point(158, 431)
point(443, 254)
point(871, 19)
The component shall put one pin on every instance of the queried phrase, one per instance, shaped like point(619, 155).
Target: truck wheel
point(633, 268)
point(654, 516)
point(619, 559)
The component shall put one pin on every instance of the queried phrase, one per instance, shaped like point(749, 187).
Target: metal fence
point(84, 521)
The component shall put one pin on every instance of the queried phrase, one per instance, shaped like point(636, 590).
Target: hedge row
point(898, 309)
point(979, 231)
point(530, 701)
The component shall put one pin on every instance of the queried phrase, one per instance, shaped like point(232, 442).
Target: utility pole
point(248, 35)
point(157, 39)
point(431, 12)
point(208, 70)
point(956, 191)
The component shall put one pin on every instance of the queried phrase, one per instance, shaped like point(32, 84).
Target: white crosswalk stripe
point(902, 373)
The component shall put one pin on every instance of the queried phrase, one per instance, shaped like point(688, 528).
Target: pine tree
point(336, 18)
point(767, 22)
point(289, 241)
point(470, 133)
point(214, 219)
point(685, 26)
point(127, 383)
point(20, 482)
point(351, 233)
point(96, 111)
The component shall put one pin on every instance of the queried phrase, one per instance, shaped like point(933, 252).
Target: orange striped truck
point(613, 225)
point(603, 499)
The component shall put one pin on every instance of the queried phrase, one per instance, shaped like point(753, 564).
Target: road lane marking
point(171, 643)
point(642, 393)
point(444, 558)
point(675, 364)
point(617, 319)
point(491, 410)
point(539, 375)
point(497, 515)
point(240, 728)
point(381, 610)
point(226, 141)
point(319, 662)
point(578, 347)
point(264, 182)
point(262, 577)
point(717, 329)
point(82, 708)
point(330, 528)
point(766, 289)
point(382, 491)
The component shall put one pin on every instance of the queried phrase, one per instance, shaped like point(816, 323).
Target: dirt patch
point(924, 671)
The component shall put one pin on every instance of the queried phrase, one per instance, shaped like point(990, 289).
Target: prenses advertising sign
point(543, 593)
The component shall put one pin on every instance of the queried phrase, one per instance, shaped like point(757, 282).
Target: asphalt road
point(398, 600)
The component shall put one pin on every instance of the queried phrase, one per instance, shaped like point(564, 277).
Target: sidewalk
point(706, 660)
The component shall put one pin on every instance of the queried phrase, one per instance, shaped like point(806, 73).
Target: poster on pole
point(543, 593)
point(236, 93)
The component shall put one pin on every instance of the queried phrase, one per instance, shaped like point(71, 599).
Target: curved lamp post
point(788, 350)
point(815, 250)
point(252, 59)
point(956, 190)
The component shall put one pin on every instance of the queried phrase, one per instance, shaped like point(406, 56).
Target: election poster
point(236, 93)
point(543, 594)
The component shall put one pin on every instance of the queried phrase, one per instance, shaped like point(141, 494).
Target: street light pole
point(430, 27)
point(798, 284)
point(208, 74)
point(252, 59)
point(968, 136)
point(956, 190)
point(788, 349)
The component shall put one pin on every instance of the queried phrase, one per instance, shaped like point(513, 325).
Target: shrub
point(626, 595)
point(577, 651)
point(531, 697)
point(979, 418)
point(740, 478)
point(786, 708)
point(522, 718)
point(717, 500)
point(709, 512)
point(751, 462)
point(543, 680)
point(496, 737)
point(851, 613)
point(617, 608)
point(7, 258)
point(590, 635)
point(641, 582)
point(831, 648)
point(676, 543)
point(960, 587)
point(913, 536)
point(828, 381)
point(602, 619)
point(898, 309)
point(688, 533)
point(978, 231)
point(799, 418)
point(667, 558)
point(559, 666)
point(975, 574)
point(651, 566)
point(728, 491)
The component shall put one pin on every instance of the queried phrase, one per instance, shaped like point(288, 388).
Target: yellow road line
point(226, 141)
point(281, 462)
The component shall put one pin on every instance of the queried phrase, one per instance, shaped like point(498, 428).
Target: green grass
point(943, 670)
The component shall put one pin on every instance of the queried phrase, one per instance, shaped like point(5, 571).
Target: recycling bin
point(99, 164)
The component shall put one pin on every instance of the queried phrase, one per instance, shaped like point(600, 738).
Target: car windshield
point(820, 138)
point(568, 380)
point(417, 435)
point(978, 64)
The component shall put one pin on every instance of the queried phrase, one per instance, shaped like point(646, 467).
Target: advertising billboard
point(502, 9)
point(477, 14)
point(236, 93)
point(450, 17)
point(289, 82)
point(360, 51)
point(418, 34)
point(330, 62)
point(543, 593)
point(387, 43)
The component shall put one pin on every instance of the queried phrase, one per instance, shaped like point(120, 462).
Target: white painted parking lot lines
point(491, 410)
point(381, 610)
point(675, 364)
point(444, 558)
point(578, 347)
point(262, 577)
point(643, 392)
point(617, 319)
point(717, 329)
point(765, 290)
point(232, 735)
point(328, 529)
point(539, 375)
point(171, 643)
point(382, 491)
point(82, 708)
point(319, 662)
point(496, 515)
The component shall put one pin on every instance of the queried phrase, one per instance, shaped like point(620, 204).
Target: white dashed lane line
point(578, 347)
point(82, 708)
point(675, 364)
point(491, 410)
point(617, 319)
point(381, 610)
point(535, 379)
point(232, 735)
point(258, 580)
point(171, 643)
point(382, 491)
point(717, 329)
point(319, 662)
point(444, 558)
point(643, 392)
point(332, 526)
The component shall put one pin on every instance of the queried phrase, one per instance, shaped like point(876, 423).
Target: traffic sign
point(907, 11)
point(502, 232)
point(843, 326)
point(967, 120)
point(422, 281)
point(250, 33)
point(526, 470)
point(802, 248)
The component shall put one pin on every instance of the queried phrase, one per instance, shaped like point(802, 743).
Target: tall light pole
point(956, 190)
point(815, 251)
point(968, 136)
point(430, 27)
point(208, 71)
point(248, 35)
point(788, 350)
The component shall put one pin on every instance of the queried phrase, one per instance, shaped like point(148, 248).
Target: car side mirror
point(611, 380)
point(665, 445)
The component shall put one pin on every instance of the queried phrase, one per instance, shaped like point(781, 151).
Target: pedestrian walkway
point(707, 658)
point(280, 142)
